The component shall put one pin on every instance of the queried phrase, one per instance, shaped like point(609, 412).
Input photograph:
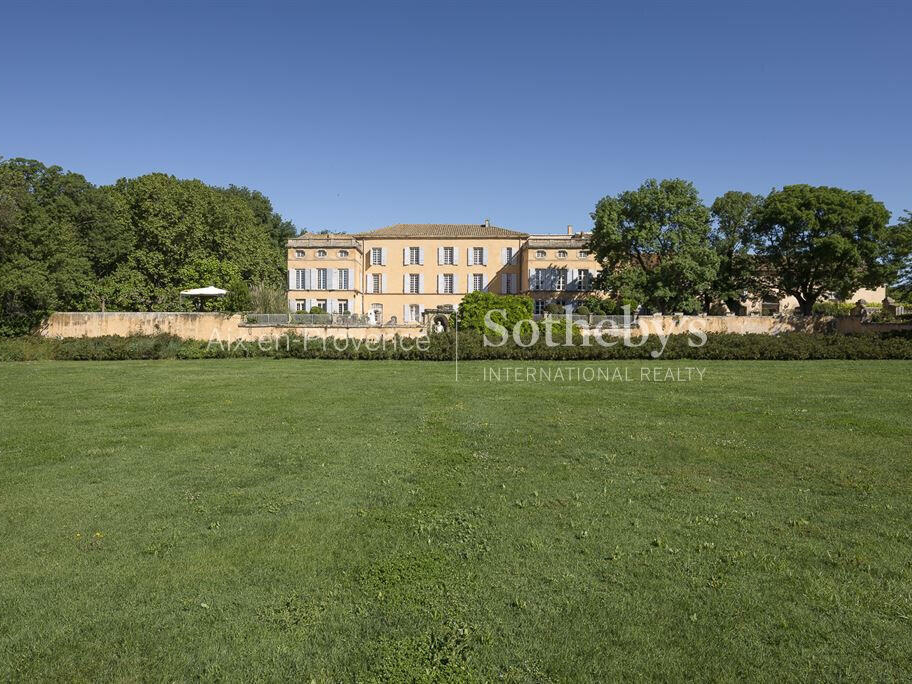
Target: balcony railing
point(351, 320)
point(593, 320)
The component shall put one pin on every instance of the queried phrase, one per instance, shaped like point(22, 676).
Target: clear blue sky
point(357, 116)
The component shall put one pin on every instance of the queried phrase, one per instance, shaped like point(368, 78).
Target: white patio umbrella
point(210, 291)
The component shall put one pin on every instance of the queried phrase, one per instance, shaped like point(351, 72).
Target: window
point(342, 306)
point(376, 256)
point(377, 282)
point(583, 254)
point(539, 306)
point(562, 254)
point(540, 254)
point(321, 279)
point(538, 280)
point(321, 304)
point(300, 278)
point(448, 281)
point(584, 279)
point(321, 253)
point(342, 279)
point(414, 313)
point(477, 255)
point(477, 282)
point(377, 310)
point(508, 253)
point(300, 253)
point(509, 283)
point(343, 253)
point(414, 283)
point(448, 256)
point(414, 255)
point(561, 279)
point(301, 305)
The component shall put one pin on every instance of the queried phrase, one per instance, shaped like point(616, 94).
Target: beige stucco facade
point(402, 270)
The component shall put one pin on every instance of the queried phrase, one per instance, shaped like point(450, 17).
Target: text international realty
point(593, 374)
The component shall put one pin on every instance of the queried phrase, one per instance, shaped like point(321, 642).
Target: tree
point(818, 241)
point(279, 229)
point(900, 251)
point(653, 245)
point(732, 237)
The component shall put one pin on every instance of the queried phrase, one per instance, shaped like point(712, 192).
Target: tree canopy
point(818, 241)
point(653, 244)
point(66, 244)
point(732, 237)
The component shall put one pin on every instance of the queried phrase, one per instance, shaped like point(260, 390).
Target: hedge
point(441, 347)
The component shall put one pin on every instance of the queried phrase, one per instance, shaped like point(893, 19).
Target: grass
point(259, 519)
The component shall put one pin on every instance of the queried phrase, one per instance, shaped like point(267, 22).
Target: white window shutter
point(440, 256)
point(383, 256)
point(405, 313)
point(469, 283)
point(369, 288)
point(439, 283)
point(405, 255)
point(503, 256)
point(484, 256)
point(405, 282)
point(469, 261)
point(383, 287)
point(291, 279)
point(330, 306)
point(330, 279)
point(420, 283)
point(421, 256)
point(532, 284)
point(420, 312)
point(310, 279)
point(484, 281)
point(455, 256)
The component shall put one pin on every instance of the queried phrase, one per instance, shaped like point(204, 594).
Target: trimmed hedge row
point(442, 347)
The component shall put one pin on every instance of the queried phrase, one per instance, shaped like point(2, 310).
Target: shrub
point(719, 346)
point(476, 305)
point(265, 298)
point(583, 310)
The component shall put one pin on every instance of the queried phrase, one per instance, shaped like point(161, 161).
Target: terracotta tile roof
point(447, 230)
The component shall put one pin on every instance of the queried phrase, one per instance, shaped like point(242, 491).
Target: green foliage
point(732, 237)
point(653, 244)
point(316, 310)
point(442, 347)
point(833, 308)
point(901, 256)
point(583, 310)
point(238, 297)
point(554, 308)
point(509, 310)
point(268, 298)
point(816, 241)
point(66, 244)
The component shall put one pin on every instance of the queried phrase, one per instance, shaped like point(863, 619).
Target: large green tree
point(819, 241)
point(653, 245)
point(66, 244)
point(732, 236)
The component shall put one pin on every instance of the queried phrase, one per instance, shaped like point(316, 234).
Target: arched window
point(540, 254)
point(583, 254)
point(343, 253)
point(561, 254)
point(321, 252)
point(300, 253)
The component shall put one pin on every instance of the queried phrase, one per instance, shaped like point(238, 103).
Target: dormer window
point(540, 254)
point(321, 253)
point(300, 254)
point(343, 253)
point(561, 254)
point(583, 254)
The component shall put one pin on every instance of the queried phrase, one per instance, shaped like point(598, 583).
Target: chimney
point(487, 223)
point(569, 229)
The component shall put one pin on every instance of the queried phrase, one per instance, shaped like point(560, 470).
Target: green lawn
point(262, 519)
